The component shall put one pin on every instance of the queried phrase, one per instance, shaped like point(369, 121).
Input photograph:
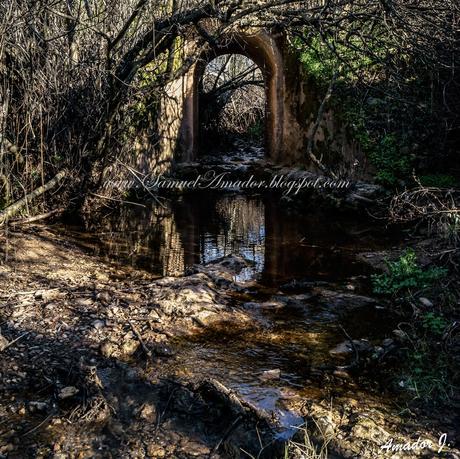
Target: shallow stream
point(278, 362)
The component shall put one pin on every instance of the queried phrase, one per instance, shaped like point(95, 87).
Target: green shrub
point(404, 275)
point(388, 129)
point(392, 165)
point(438, 181)
point(427, 373)
point(434, 323)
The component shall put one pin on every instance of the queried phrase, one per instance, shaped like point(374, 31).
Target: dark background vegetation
point(78, 77)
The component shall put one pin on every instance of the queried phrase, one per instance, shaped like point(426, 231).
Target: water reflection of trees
point(166, 239)
point(147, 238)
point(241, 230)
point(195, 228)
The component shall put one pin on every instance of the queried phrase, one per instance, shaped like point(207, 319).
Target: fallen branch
point(6, 346)
point(139, 337)
point(18, 205)
point(100, 196)
point(237, 405)
point(37, 218)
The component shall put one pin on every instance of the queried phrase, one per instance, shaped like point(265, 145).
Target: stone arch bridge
point(291, 109)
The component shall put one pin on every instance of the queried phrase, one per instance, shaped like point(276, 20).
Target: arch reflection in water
point(169, 238)
point(199, 228)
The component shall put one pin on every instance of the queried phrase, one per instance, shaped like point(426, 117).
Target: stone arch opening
point(263, 51)
point(232, 107)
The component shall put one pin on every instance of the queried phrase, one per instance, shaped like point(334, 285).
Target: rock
point(3, 342)
point(129, 346)
point(155, 451)
point(205, 318)
point(369, 429)
point(194, 449)
point(342, 374)
point(98, 324)
point(387, 342)
point(425, 302)
point(37, 406)
point(378, 351)
point(68, 392)
point(108, 349)
point(49, 295)
point(162, 350)
point(8, 448)
point(148, 412)
point(270, 375)
point(346, 347)
point(342, 300)
point(104, 297)
point(83, 302)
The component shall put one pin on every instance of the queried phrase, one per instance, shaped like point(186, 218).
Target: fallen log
point(18, 205)
point(237, 405)
point(36, 218)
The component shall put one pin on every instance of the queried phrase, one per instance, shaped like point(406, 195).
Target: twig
point(139, 337)
point(12, 342)
point(232, 427)
point(36, 218)
point(355, 349)
point(118, 200)
point(318, 121)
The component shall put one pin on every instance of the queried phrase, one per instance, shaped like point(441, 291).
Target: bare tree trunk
point(18, 205)
point(319, 119)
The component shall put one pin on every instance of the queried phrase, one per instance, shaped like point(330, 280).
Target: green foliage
point(391, 163)
point(386, 152)
point(433, 323)
point(404, 275)
point(427, 365)
point(394, 127)
point(317, 60)
point(256, 130)
point(438, 181)
point(321, 62)
point(427, 373)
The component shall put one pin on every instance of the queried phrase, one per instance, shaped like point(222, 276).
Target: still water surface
point(298, 331)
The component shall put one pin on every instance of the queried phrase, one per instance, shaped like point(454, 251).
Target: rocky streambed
point(102, 360)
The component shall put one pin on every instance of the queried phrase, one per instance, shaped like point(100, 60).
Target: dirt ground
point(84, 347)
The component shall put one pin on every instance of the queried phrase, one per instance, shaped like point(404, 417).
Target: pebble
point(270, 375)
point(38, 406)
point(98, 324)
point(104, 297)
point(68, 392)
point(108, 349)
point(155, 451)
point(342, 374)
point(3, 342)
point(425, 302)
point(129, 347)
point(148, 412)
point(387, 342)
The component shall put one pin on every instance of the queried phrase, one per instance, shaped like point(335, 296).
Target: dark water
point(294, 333)
point(167, 238)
